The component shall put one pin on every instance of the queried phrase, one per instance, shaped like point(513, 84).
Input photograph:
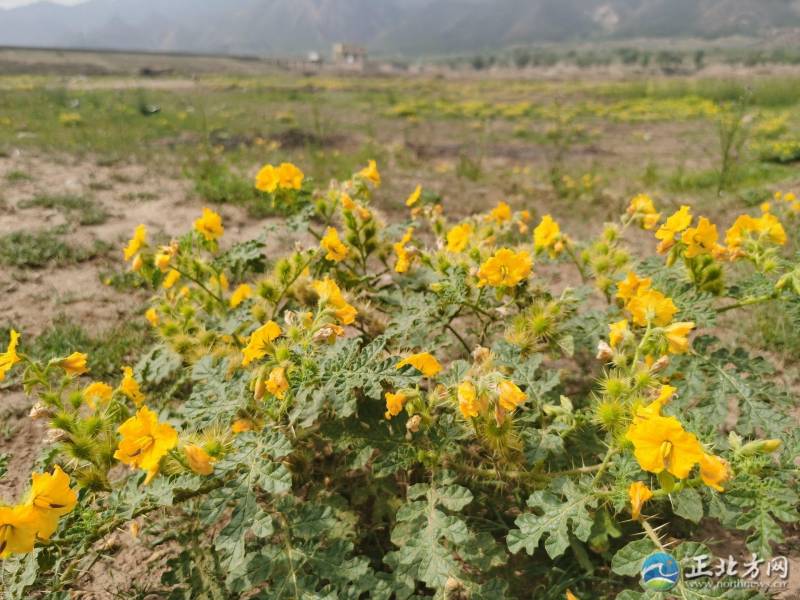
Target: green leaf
point(454, 497)
point(688, 504)
point(562, 511)
point(628, 559)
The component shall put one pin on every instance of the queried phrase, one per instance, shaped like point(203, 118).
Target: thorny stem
point(651, 533)
point(458, 337)
point(604, 465)
point(202, 285)
point(747, 302)
point(111, 526)
point(571, 251)
point(288, 285)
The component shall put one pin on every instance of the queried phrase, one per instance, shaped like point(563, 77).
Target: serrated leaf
point(628, 559)
point(558, 517)
point(688, 504)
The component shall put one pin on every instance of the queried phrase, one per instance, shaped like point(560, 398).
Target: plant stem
point(746, 302)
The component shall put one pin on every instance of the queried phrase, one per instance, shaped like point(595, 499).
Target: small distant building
point(349, 54)
point(314, 58)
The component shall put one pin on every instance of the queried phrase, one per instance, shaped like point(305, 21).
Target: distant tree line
point(667, 61)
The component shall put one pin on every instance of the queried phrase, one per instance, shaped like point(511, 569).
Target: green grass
point(107, 350)
point(41, 248)
point(84, 211)
point(17, 176)
point(218, 184)
point(767, 92)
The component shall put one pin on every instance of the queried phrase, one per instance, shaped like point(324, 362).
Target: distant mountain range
point(409, 27)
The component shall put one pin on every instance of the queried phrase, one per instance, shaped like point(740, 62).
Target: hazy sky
point(13, 3)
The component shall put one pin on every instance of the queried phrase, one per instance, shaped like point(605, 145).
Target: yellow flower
point(242, 425)
point(74, 364)
point(458, 237)
point(17, 530)
point(330, 294)
point(638, 493)
point(510, 396)
point(277, 384)
point(337, 251)
point(469, 404)
point(130, 387)
point(267, 179)
point(701, 239)
point(714, 471)
point(632, 285)
point(394, 404)
point(199, 460)
point(50, 497)
point(97, 391)
point(240, 294)
point(641, 207)
point(136, 242)
point(171, 278)
point(546, 234)
point(259, 342)
point(665, 394)
point(161, 260)
point(500, 213)
point(347, 201)
point(617, 332)
point(676, 223)
point(403, 259)
point(766, 225)
point(210, 225)
point(145, 441)
point(152, 316)
point(403, 255)
point(290, 177)
point(677, 336)
point(370, 172)
point(424, 362)
point(652, 306)
point(661, 444)
point(10, 357)
point(505, 268)
point(137, 263)
point(414, 197)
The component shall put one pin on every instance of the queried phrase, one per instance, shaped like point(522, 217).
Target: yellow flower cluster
point(49, 498)
point(285, 176)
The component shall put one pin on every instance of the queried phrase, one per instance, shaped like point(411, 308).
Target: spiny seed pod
point(610, 414)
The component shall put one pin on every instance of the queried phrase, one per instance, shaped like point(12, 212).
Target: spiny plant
point(415, 409)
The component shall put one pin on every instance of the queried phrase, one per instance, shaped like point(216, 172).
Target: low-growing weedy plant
point(481, 409)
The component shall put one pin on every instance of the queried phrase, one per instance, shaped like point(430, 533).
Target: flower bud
point(761, 447)
point(661, 364)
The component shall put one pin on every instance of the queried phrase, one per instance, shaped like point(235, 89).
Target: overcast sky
point(13, 3)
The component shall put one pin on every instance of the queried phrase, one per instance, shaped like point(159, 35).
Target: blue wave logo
point(660, 572)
